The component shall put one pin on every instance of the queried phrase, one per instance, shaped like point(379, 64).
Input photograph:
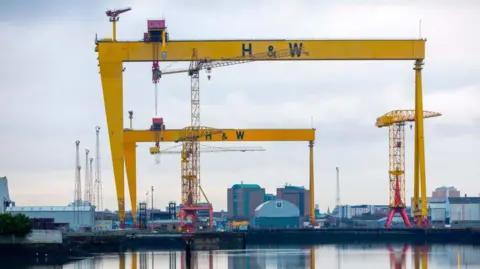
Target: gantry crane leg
point(112, 82)
point(130, 152)
point(420, 184)
point(312, 184)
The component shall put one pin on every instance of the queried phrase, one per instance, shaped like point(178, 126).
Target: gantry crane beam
point(226, 50)
point(396, 120)
point(226, 135)
point(112, 54)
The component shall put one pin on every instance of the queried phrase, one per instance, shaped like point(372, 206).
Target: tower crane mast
point(98, 173)
point(86, 194)
point(90, 181)
point(395, 120)
point(78, 184)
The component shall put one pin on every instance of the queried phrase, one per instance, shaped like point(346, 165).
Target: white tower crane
point(86, 191)
point(90, 181)
point(98, 174)
point(78, 184)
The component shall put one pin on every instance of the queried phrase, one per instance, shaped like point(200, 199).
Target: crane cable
point(155, 82)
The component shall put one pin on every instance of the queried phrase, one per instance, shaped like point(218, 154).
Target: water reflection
point(326, 256)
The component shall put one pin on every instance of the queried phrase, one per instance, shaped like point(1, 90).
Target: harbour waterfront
point(320, 256)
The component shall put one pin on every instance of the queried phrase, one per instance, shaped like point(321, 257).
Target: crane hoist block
point(154, 150)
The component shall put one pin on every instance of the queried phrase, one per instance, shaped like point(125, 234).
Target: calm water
point(331, 256)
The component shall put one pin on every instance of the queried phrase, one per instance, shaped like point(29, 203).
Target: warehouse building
point(463, 211)
point(242, 199)
point(276, 214)
point(437, 210)
point(4, 195)
point(70, 216)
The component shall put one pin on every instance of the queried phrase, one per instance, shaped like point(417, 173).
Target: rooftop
point(464, 200)
point(246, 186)
point(47, 208)
point(294, 187)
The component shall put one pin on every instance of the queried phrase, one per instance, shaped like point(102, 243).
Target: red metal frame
point(191, 211)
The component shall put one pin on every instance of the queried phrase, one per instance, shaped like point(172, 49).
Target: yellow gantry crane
point(157, 46)
point(395, 120)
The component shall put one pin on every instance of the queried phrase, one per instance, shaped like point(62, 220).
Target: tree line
point(19, 225)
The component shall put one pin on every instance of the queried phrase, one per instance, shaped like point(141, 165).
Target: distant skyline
point(51, 95)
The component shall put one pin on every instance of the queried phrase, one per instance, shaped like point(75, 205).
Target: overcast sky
point(51, 95)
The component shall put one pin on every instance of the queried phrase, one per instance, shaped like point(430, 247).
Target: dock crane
point(395, 120)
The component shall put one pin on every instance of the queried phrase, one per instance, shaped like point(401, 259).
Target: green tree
point(23, 225)
point(19, 224)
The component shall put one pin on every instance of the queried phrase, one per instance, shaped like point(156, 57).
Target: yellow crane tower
point(395, 120)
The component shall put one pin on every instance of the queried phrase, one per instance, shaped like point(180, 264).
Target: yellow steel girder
point(217, 50)
point(226, 135)
point(112, 54)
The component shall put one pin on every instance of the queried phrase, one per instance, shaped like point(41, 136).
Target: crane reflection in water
point(347, 256)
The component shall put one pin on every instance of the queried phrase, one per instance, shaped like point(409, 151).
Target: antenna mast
point(98, 177)
point(78, 184)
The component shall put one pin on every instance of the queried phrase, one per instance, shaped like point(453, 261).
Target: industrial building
point(242, 199)
point(276, 214)
point(455, 211)
point(4, 195)
point(70, 216)
point(299, 196)
point(463, 210)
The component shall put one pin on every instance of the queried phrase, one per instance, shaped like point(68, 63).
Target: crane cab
point(157, 124)
point(157, 31)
